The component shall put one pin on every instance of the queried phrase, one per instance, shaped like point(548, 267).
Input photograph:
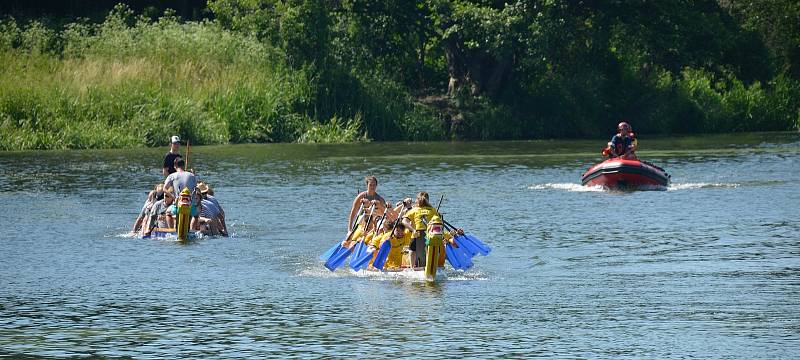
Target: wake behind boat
point(400, 274)
point(632, 174)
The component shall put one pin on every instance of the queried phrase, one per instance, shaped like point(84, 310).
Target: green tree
point(777, 22)
point(390, 37)
point(480, 42)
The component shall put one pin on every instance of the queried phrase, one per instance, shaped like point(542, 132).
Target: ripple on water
point(404, 275)
point(706, 270)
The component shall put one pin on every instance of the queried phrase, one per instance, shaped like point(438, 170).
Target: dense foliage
point(350, 70)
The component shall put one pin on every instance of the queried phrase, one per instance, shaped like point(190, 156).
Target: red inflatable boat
point(625, 174)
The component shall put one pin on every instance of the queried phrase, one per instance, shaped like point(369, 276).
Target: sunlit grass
point(122, 86)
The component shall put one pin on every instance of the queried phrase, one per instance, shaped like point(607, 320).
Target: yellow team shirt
point(416, 214)
point(357, 233)
point(395, 257)
point(378, 239)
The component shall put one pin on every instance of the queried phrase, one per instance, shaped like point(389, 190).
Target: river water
point(709, 268)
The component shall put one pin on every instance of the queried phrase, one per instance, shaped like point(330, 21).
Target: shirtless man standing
point(367, 198)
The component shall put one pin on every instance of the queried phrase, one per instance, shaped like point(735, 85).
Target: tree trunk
point(455, 67)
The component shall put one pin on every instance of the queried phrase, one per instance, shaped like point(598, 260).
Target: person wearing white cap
point(169, 159)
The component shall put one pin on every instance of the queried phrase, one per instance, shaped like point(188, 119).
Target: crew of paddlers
point(374, 221)
point(180, 186)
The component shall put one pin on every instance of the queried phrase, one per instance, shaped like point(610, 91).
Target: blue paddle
point(449, 253)
point(335, 248)
point(460, 257)
point(386, 247)
point(338, 258)
point(464, 258)
point(383, 254)
point(361, 259)
point(463, 245)
point(482, 248)
point(472, 243)
point(361, 256)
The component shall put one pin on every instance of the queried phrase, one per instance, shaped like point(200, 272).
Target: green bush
point(131, 81)
point(335, 131)
point(728, 105)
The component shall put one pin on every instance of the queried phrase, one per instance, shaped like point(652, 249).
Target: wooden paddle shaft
point(188, 145)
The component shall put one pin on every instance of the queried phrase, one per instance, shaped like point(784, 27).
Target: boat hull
point(170, 233)
point(626, 174)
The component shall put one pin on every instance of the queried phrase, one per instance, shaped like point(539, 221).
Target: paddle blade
point(333, 250)
point(362, 261)
point(479, 245)
point(464, 258)
point(338, 259)
point(358, 250)
point(383, 254)
point(449, 253)
point(465, 245)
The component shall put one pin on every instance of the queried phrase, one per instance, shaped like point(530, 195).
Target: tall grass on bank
point(118, 84)
point(131, 81)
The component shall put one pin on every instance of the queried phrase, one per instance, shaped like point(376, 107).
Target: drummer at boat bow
point(624, 143)
point(367, 198)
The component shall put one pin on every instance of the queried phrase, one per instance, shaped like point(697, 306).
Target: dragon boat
point(437, 251)
point(181, 230)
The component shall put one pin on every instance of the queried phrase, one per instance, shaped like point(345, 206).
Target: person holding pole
point(174, 153)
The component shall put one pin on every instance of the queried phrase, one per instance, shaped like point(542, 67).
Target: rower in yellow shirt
point(399, 239)
point(363, 228)
point(416, 219)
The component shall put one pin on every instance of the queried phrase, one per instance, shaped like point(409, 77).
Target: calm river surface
point(708, 269)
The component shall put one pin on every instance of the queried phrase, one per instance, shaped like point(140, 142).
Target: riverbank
point(132, 81)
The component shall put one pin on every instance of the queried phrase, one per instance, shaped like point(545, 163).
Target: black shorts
point(413, 245)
